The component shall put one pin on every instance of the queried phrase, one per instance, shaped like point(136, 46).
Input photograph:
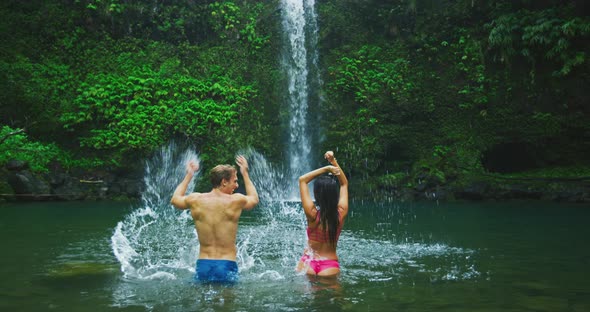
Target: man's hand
point(242, 163)
point(251, 194)
point(192, 167)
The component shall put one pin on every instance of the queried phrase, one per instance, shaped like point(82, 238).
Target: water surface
point(524, 256)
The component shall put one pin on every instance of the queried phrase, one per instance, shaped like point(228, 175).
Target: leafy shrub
point(15, 144)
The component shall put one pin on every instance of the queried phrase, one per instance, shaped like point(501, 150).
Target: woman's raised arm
point(343, 200)
point(306, 201)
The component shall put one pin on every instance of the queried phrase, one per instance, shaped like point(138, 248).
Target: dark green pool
point(524, 256)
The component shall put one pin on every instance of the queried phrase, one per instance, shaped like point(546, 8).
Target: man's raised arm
point(251, 194)
point(179, 198)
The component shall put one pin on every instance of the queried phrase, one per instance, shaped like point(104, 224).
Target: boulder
point(26, 184)
point(17, 165)
point(476, 190)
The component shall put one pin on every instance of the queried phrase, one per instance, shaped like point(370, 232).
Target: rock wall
point(18, 182)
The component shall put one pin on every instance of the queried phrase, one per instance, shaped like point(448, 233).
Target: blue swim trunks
point(216, 271)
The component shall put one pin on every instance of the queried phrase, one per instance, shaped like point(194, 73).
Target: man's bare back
point(216, 213)
point(216, 218)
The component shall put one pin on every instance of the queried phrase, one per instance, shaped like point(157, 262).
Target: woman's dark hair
point(326, 190)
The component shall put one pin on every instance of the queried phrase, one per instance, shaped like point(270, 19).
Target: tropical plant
point(16, 145)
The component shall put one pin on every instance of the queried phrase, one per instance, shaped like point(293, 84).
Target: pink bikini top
point(318, 235)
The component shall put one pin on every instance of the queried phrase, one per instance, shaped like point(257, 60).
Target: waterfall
point(300, 62)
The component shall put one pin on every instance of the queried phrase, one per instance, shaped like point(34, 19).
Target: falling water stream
point(300, 63)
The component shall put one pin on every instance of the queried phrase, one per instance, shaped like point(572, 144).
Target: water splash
point(271, 246)
point(274, 183)
point(156, 240)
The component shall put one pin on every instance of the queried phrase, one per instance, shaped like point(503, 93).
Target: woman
point(325, 218)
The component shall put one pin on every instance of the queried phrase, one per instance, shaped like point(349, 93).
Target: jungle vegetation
point(448, 88)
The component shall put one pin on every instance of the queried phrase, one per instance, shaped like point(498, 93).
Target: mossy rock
point(5, 188)
point(81, 269)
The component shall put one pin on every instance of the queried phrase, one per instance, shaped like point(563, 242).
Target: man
point(216, 216)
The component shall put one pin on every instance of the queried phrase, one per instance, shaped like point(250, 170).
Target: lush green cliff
point(418, 97)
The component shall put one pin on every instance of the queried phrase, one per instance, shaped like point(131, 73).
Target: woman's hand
point(329, 156)
point(334, 170)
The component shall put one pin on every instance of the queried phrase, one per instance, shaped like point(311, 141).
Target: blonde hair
point(220, 173)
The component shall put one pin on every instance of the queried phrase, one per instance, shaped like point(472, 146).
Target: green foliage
point(143, 109)
point(431, 169)
point(5, 188)
point(393, 179)
point(369, 79)
point(540, 35)
point(34, 90)
point(250, 32)
point(118, 93)
point(110, 6)
point(225, 18)
point(441, 151)
point(418, 87)
point(68, 161)
point(173, 21)
point(459, 59)
point(232, 22)
point(372, 88)
point(15, 144)
point(543, 124)
point(471, 71)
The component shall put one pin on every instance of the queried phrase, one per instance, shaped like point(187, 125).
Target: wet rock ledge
point(18, 182)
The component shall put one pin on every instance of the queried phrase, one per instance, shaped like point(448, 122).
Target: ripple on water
point(379, 260)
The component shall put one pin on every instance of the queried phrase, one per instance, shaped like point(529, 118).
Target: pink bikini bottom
point(319, 265)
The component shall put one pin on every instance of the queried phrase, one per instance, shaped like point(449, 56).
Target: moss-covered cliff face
point(450, 92)
point(419, 97)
